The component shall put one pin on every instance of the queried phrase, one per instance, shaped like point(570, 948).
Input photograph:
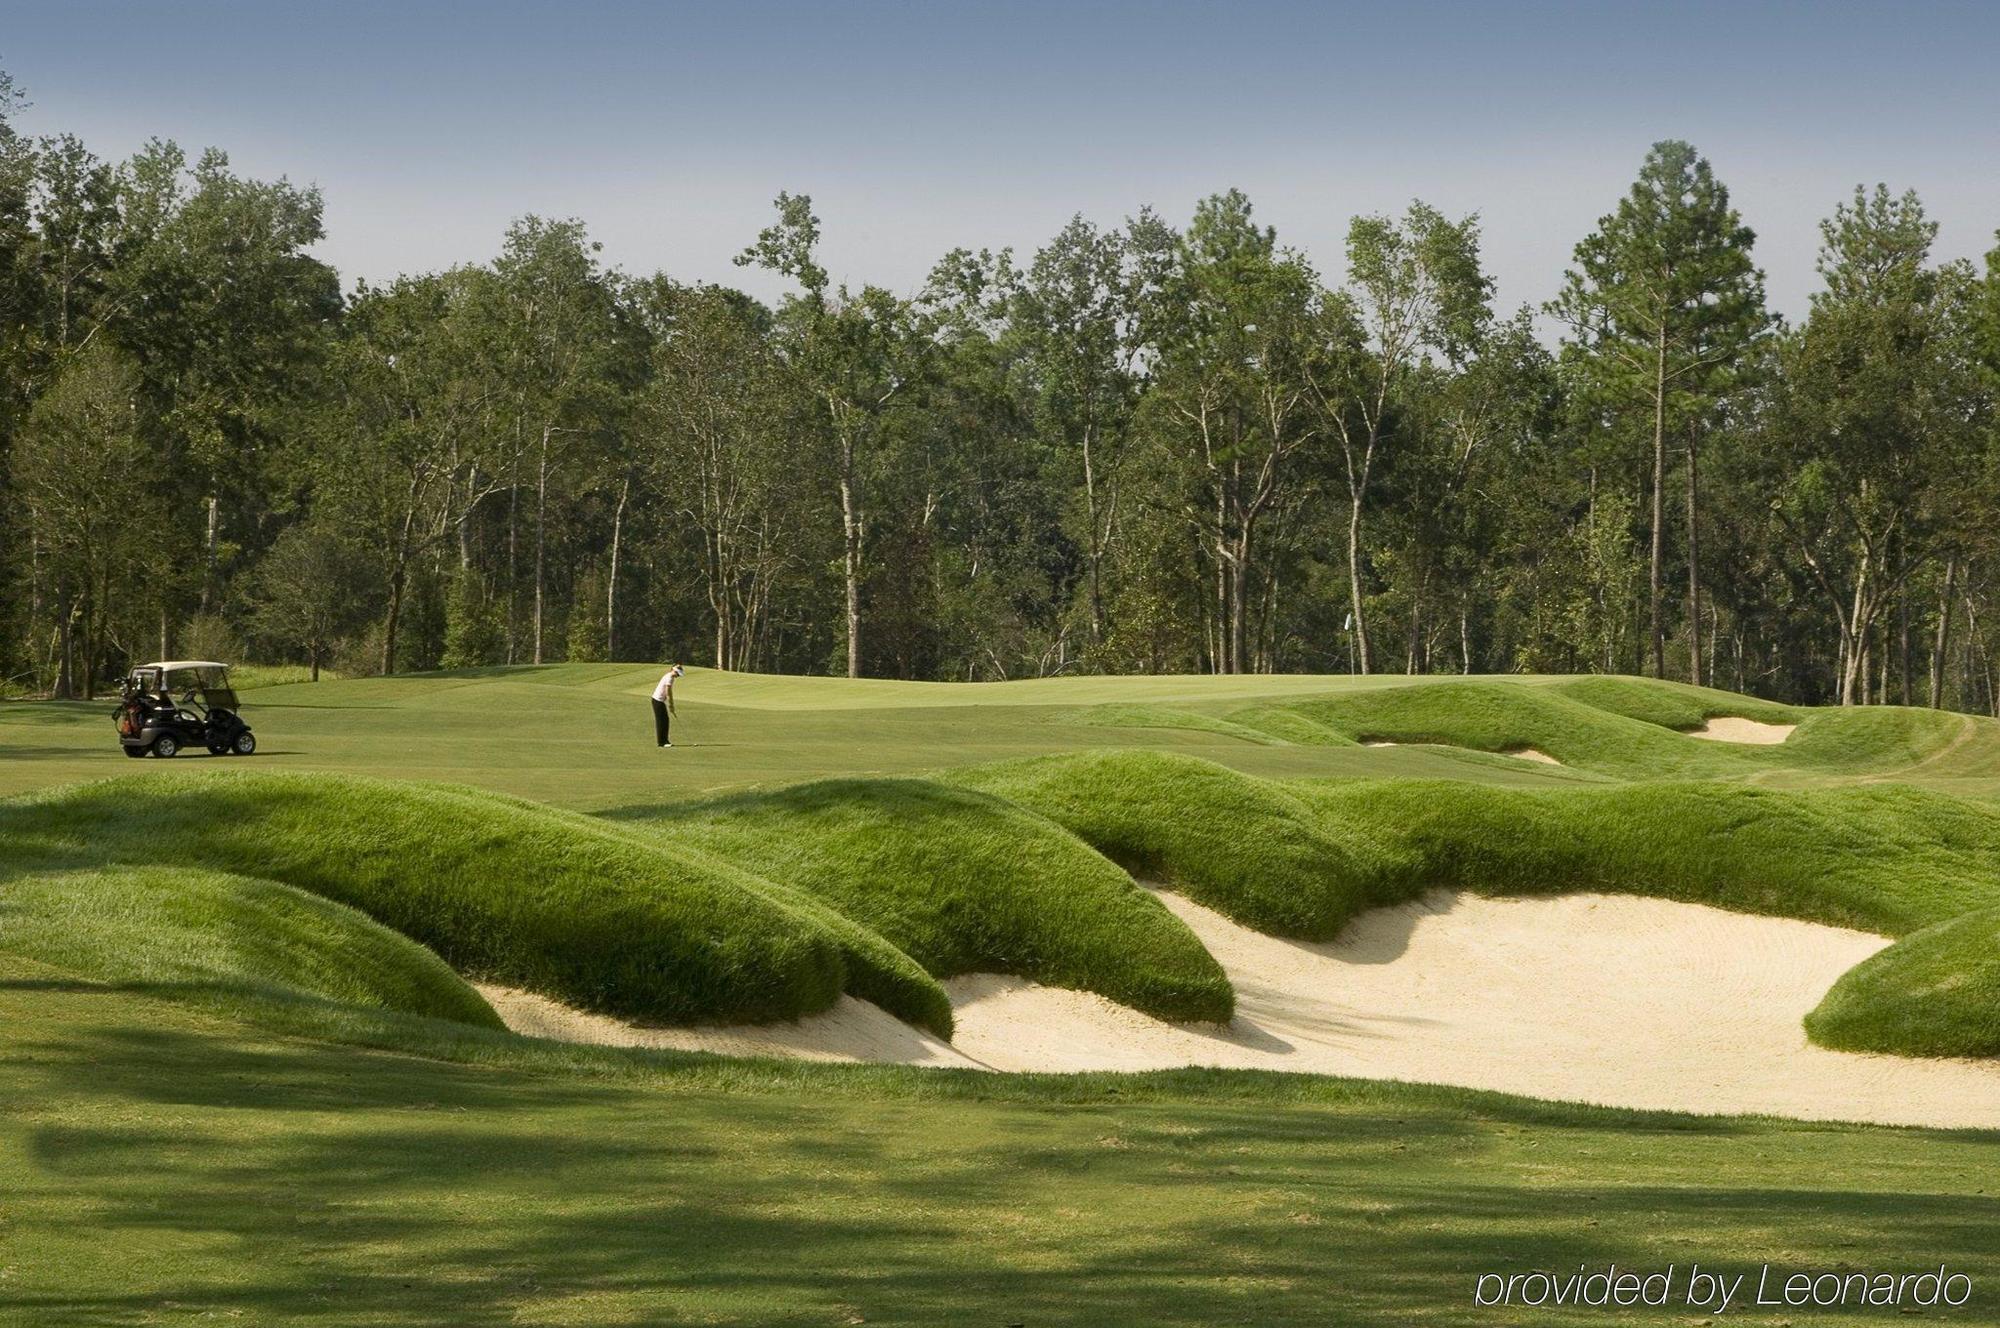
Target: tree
point(1418, 289)
point(1665, 301)
point(559, 342)
point(851, 356)
point(227, 316)
point(1876, 420)
point(82, 476)
point(307, 592)
point(1235, 329)
point(1071, 314)
point(710, 440)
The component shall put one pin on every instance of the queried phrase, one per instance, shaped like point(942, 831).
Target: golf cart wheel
point(245, 743)
point(135, 752)
point(166, 745)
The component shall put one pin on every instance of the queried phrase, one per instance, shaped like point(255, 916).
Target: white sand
point(853, 1030)
point(1730, 728)
point(1598, 998)
point(1523, 753)
point(1623, 1001)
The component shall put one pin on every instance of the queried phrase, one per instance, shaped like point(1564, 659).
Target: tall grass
point(225, 939)
point(501, 890)
point(963, 882)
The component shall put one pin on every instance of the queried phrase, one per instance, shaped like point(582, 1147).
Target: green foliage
point(586, 643)
point(474, 629)
point(306, 592)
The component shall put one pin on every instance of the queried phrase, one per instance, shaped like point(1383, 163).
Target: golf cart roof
point(174, 665)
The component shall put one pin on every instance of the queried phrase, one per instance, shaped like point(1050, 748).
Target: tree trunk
point(1694, 572)
point(1361, 650)
point(1659, 500)
point(211, 576)
point(1942, 641)
point(541, 533)
point(65, 689)
point(850, 530)
point(513, 543)
point(392, 619)
point(611, 581)
point(1095, 547)
point(1239, 590)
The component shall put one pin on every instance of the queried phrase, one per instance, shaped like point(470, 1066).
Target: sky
point(920, 127)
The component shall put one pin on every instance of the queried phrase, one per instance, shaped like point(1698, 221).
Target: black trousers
point(660, 722)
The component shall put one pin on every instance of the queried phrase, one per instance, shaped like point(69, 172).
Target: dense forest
point(1160, 445)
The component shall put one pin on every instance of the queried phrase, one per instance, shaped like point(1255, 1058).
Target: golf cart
point(151, 719)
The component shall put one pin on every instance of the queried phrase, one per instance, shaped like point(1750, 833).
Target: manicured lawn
point(581, 735)
point(233, 1097)
point(159, 1165)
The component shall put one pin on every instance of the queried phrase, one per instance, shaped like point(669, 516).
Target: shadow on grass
point(290, 1182)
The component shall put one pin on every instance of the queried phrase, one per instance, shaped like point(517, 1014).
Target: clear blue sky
point(917, 127)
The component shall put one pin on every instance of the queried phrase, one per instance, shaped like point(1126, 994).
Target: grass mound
point(1936, 992)
point(1670, 705)
point(1245, 846)
point(1503, 717)
point(1882, 858)
point(217, 937)
point(963, 882)
point(500, 889)
point(1303, 858)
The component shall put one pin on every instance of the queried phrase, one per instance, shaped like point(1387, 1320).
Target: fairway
point(579, 736)
point(225, 998)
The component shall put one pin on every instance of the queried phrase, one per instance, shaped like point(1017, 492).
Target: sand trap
point(1623, 1001)
point(853, 1030)
point(1730, 728)
point(1523, 753)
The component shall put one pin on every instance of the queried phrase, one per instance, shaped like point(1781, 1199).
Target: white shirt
point(666, 688)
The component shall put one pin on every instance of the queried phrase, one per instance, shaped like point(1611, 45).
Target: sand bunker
point(1597, 998)
point(1523, 753)
point(1622, 1001)
point(853, 1030)
point(1730, 728)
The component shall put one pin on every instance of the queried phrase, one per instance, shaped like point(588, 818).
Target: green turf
point(1933, 993)
point(962, 883)
point(316, 1127)
point(161, 1164)
point(1246, 846)
point(224, 939)
point(502, 890)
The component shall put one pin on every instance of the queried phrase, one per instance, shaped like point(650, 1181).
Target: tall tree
point(710, 435)
point(1665, 301)
point(1417, 289)
point(1877, 420)
point(851, 356)
point(1071, 312)
point(558, 346)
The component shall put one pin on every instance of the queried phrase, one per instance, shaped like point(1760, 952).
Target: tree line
point(1155, 446)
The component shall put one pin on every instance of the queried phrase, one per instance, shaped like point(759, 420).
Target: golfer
point(663, 703)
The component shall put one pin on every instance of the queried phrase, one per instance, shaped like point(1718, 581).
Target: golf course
point(1163, 1000)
